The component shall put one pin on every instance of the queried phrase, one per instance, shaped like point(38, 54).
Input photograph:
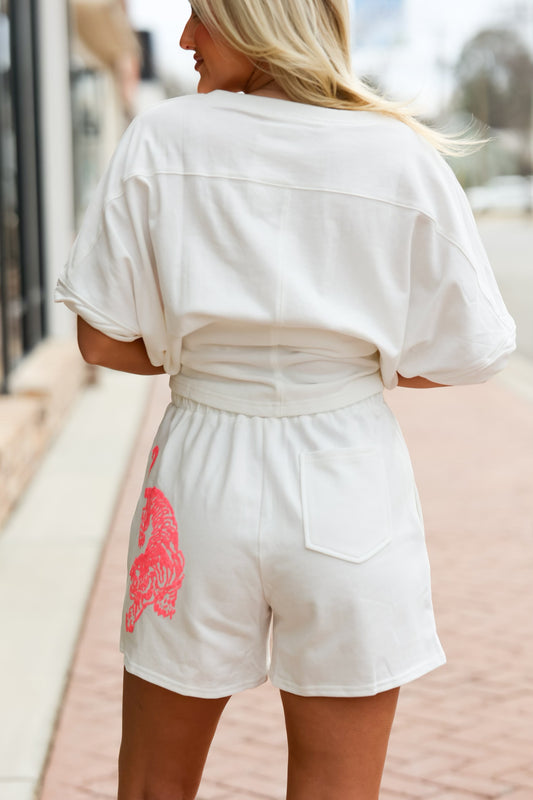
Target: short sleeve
point(456, 327)
point(110, 278)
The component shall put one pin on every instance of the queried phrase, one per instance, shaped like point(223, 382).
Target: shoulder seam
point(384, 200)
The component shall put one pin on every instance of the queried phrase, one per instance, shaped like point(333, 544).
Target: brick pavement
point(464, 732)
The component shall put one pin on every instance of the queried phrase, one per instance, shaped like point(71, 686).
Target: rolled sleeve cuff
point(64, 293)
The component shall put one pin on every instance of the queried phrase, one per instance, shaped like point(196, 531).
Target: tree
point(494, 76)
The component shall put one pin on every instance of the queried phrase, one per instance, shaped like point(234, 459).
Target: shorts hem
point(366, 690)
point(191, 691)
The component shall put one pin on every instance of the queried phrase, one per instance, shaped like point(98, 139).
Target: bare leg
point(165, 741)
point(337, 745)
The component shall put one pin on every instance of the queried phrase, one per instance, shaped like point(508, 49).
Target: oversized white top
point(282, 258)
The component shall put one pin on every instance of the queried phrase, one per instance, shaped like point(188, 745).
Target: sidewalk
point(50, 548)
point(465, 731)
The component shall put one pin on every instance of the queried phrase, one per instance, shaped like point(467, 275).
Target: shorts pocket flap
point(345, 502)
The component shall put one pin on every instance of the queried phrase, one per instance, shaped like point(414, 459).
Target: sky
point(418, 65)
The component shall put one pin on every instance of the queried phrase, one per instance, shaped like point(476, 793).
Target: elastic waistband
point(359, 389)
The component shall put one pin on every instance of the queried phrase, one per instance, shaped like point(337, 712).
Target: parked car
point(504, 192)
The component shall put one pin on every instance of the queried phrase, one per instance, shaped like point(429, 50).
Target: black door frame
point(24, 39)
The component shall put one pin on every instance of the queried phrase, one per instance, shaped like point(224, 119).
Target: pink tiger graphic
point(157, 573)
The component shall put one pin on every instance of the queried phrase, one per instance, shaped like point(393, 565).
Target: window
point(22, 323)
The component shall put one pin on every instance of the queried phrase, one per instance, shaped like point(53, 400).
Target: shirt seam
point(245, 179)
point(263, 182)
point(277, 185)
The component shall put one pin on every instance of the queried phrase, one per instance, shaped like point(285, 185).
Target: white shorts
point(290, 548)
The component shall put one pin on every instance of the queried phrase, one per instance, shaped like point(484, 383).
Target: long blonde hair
point(305, 46)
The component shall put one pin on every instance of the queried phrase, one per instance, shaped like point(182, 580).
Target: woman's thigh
point(165, 741)
point(337, 745)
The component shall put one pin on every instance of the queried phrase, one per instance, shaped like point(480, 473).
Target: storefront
point(104, 72)
point(22, 269)
point(68, 73)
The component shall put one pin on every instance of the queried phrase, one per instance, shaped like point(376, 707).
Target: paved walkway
point(50, 549)
point(465, 731)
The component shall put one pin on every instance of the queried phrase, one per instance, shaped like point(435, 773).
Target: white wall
point(56, 127)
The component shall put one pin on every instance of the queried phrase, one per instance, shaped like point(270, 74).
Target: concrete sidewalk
point(50, 549)
point(465, 731)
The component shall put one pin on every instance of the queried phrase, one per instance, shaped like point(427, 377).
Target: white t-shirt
point(286, 258)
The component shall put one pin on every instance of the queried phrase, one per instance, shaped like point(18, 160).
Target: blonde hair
point(305, 46)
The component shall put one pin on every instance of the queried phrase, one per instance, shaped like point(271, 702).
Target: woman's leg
point(337, 745)
point(165, 741)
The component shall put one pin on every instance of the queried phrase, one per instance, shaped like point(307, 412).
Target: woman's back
point(272, 248)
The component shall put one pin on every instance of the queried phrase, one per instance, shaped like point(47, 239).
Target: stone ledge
point(42, 389)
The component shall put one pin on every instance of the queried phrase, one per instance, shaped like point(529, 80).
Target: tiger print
point(157, 573)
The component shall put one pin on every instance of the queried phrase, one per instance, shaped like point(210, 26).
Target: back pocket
point(345, 502)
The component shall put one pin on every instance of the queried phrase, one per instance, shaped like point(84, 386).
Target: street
point(509, 244)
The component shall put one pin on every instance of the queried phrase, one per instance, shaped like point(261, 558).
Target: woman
point(283, 244)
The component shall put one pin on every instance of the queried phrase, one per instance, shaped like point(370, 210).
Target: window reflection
point(87, 108)
point(11, 337)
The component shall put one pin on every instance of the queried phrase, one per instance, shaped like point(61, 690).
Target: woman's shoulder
point(423, 176)
point(157, 135)
point(359, 152)
point(169, 112)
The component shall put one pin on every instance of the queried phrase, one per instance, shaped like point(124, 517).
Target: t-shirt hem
point(482, 371)
point(64, 293)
